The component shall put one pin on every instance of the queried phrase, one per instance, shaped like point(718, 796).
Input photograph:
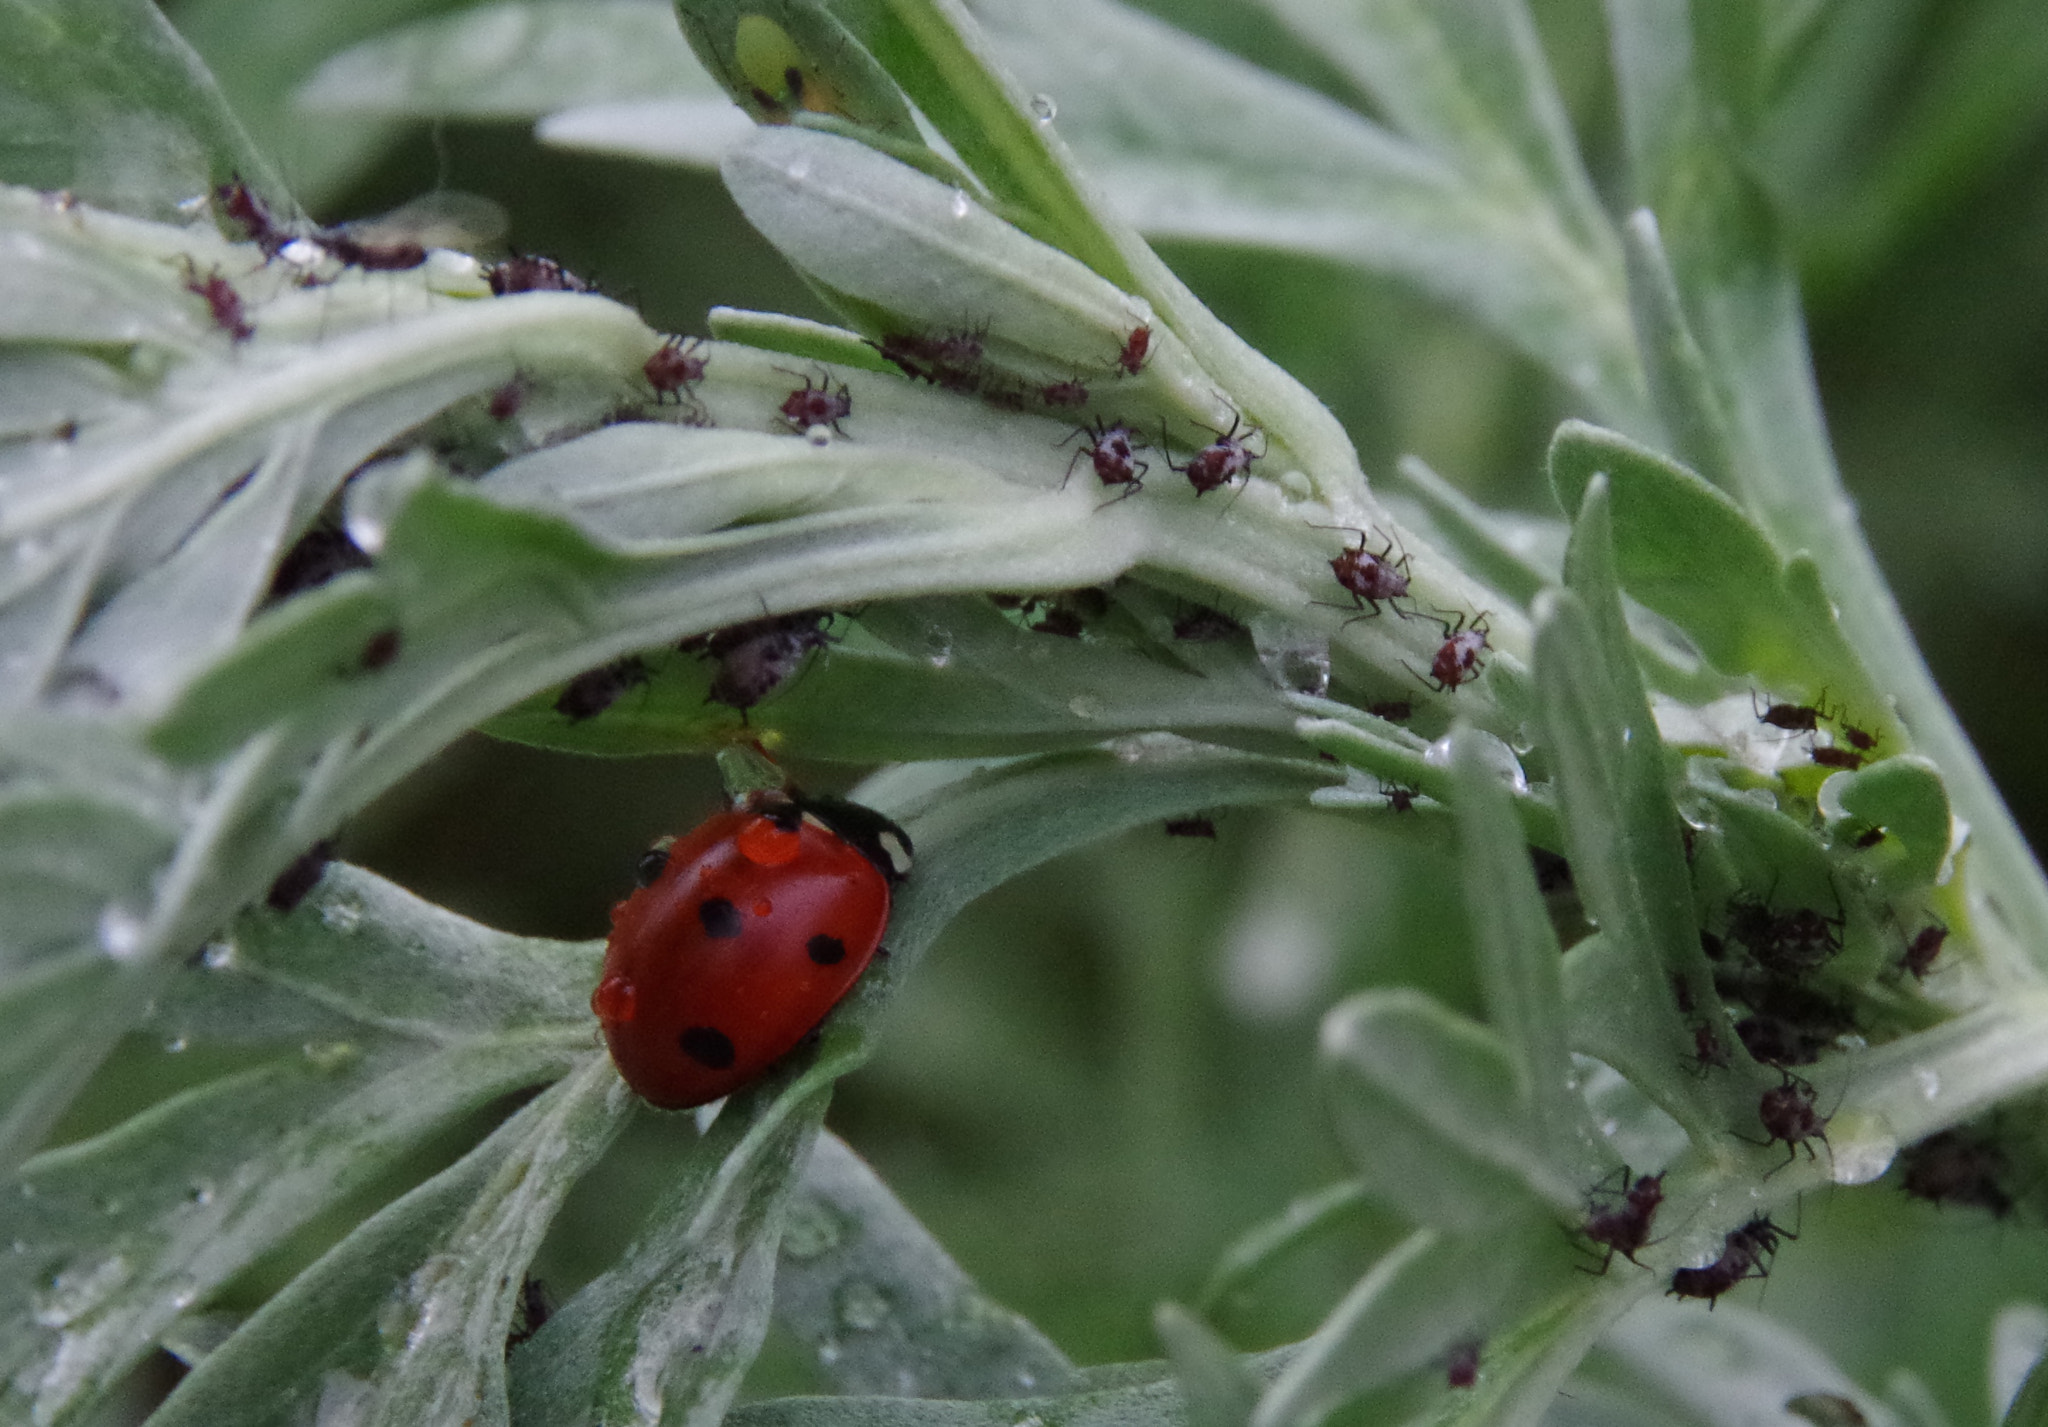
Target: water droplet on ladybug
point(614, 1001)
point(765, 844)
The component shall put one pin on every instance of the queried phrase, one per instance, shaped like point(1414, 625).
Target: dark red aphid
point(950, 361)
point(315, 558)
point(520, 273)
point(1457, 659)
point(1137, 347)
point(1110, 450)
point(1789, 1117)
point(1838, 758)
point(676, 366)
point(507, 399)
point(1222, 460)
point(1923, 948)
point(816, 404)
point(758, 657)
point(395, 255)
point(1064, 394)
point(1371, 578)
point(531, 1313)
point(1785, 943)
point(1202, 625)
point(1621, 1222)
point(593, 691)
point(1869, 838)
point(752, 929)
point(1061, 620)
point(1793, 718)
point(1068, 611)
point(1399, 799)
point(1955, 1167)
point(1190, 827)
point(1707, 1051)
point(239, 202)
point(1778, 1043)
point(1744, 1252)
point(301, 877)
point(380, 650)
point(1461, 1369)
point(222, 301)
point(1392, 710)
point(1862, 740)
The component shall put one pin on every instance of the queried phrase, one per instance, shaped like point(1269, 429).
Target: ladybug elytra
point(743, 936)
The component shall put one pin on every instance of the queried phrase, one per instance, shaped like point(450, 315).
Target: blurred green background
point(1102, 1077)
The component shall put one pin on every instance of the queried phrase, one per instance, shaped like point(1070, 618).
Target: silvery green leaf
point(515, 59)
point(405, 1320)
point(1428, 1107)
point(883, 1306)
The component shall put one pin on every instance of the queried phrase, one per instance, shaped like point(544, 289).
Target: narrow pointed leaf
point(405, 1319)
point(1518, 958)
point(1428, 1106)
point(861, 1277)
point(1220, 1388)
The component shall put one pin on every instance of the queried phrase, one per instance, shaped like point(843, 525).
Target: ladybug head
point(878, 839)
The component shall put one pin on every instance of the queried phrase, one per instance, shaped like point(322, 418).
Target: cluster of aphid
point(1808, 718)
point(752, 661)
point(1620, 1219)
point(1376, 578)
point(956, 361)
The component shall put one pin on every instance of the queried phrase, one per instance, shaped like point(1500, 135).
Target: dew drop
point(828, 1353)
point(799, 169)
point(120, 933)
point(1027, 1381)
point(366, 530)
point(1085, 706)
point(811, 1230)
point(218, 954)
point(861, 1306)
point(615, 1001)
point(1043, 109)
point(1495, 755)
point(1860, 1148)
point(341, 916)
point(1930, 1082)
point(201, 1194)
point(961, 207)
point(175, 1045)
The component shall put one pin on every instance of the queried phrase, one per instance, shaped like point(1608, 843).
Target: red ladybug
point(743, 935)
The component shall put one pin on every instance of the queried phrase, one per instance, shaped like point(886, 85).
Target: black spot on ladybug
point(301, 877)
point(720, 917)
point(826, 950)
point(708, 1046)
